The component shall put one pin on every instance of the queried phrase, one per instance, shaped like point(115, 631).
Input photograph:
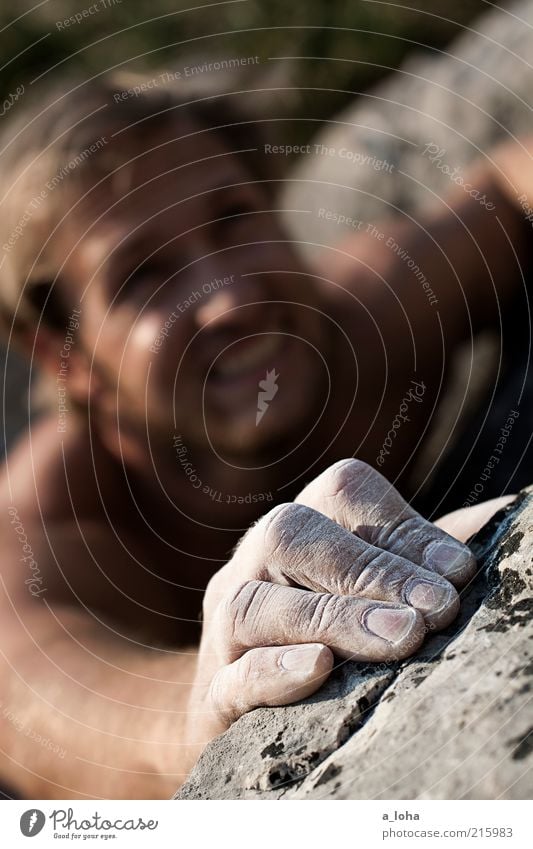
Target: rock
point(453, 722)
point(294, 739)
point(463, 100)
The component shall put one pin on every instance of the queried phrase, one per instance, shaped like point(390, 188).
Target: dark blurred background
point(374, 36)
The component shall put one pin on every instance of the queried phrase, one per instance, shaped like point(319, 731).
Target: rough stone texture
point(465, 99)
point(453, 722)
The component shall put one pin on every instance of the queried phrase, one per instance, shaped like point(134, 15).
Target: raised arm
point(455, 269)
point(348, 570)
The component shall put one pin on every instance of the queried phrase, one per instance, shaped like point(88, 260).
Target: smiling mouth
point(247, 360)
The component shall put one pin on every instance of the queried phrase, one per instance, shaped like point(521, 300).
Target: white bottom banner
point(242, 825)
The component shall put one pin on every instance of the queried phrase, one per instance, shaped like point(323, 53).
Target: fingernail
point(301, 659)
point(428, 596)
point(390, 623)
point(447, 558)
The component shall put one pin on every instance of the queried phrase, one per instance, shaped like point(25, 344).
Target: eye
point(237, 212)
point(240, 208)
point(146, 276)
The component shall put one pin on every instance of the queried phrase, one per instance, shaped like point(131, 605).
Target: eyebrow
point(239, 183)
point(132, 247)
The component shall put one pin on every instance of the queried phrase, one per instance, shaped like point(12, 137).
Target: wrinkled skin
point(126, 546)
point(348, 569)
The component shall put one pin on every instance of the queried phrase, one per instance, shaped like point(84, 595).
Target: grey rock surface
point(453, 722)
point(463, 100)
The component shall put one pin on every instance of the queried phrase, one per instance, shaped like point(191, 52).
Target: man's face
point(191, 297)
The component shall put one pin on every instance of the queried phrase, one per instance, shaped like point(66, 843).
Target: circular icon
point(32, 822)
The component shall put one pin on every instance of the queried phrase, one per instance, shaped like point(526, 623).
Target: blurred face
point(196, 315)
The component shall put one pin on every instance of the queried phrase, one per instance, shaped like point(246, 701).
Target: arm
point(83, 712)
point(471, 256)
point(349, 569)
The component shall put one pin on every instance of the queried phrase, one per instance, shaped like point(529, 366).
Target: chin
point(260, 413)
point(286, 422)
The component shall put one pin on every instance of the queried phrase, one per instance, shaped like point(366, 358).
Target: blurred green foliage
point(372, 34)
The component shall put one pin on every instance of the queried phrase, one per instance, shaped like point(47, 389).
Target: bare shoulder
point(34, 474)
point(50, 520)
point(57, 543)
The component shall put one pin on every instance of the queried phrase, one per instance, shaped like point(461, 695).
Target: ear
point(57, 346)
point(64, 360)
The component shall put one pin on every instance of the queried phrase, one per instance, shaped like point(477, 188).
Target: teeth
point(252, 357)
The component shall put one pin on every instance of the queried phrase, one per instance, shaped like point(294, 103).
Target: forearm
point(473, 254)
point(87, 714)
point(439, 278)
point(488, 254)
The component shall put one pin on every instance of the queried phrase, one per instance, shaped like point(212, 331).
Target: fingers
point(298, 545)
point(272, 676)
point(361, 500)
point(262, 614)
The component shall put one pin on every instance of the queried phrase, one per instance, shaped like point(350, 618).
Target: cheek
point(124, 349)
point(151, 355)
point(142, 336)
point(140, 346)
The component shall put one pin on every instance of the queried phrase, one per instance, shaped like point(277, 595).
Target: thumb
point(271, 676)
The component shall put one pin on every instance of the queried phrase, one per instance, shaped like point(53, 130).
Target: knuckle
point(238, 600)
point(403, 527)
point(342, 476)
point(324, 615)
point(282, 526)
point(242, 614)
point(267, 540)
point(341, 487)
point(379, 572)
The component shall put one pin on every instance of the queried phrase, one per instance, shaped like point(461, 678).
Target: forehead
point(146, 189)
point(141, 172)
